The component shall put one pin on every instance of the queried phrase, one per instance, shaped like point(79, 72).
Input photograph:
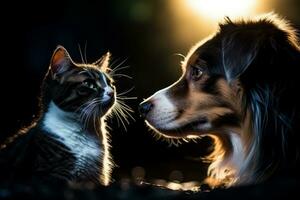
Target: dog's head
point(200, 102)
point(218, 76)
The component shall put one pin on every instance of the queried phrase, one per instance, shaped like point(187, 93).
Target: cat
point(69, 141)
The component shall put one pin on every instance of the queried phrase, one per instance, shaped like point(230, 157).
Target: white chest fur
point(84, 147)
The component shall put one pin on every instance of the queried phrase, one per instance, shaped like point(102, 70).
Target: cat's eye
point(196, 72)
point(90, 84)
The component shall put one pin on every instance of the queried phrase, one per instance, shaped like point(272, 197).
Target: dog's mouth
point(195, 128)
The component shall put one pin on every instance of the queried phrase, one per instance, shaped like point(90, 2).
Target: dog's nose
point(145, 108)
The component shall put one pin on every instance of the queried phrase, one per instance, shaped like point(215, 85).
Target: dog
point(239, 88)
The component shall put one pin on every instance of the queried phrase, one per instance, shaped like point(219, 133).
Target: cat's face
point(84, 89)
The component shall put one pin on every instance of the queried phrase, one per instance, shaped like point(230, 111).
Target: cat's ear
point(103, 62)
point(60, 61)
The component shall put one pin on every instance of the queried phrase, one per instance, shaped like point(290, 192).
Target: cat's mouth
point(107, 103)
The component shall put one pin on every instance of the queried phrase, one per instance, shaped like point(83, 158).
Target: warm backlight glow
point(217, 9)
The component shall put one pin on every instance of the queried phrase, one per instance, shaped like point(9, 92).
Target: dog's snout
point(145, 107)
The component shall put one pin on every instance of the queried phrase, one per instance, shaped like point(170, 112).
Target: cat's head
point(82, 89)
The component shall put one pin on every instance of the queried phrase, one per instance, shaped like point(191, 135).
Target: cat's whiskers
point(90, 110)
point(113, 63)
point(85, 47)
point(81, 55)
point(126, 98)
point(87, 113)
point(113, 71)
point(85, 105)
point(120, 75)
point(116, 114)
point(122, 111)
point(118, 67)
point(125, 92)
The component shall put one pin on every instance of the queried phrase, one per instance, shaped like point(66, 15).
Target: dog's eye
point(196, 73)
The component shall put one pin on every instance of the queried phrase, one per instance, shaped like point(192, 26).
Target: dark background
point(145, 34)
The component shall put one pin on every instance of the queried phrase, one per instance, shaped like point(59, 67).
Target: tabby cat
point(68, 141)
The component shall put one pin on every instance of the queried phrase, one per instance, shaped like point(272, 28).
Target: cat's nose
point(145, 107)
point(109, 92)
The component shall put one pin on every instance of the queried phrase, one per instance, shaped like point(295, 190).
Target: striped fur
point(69, 141)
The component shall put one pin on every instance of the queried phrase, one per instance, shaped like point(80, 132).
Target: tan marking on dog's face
point(186, 108)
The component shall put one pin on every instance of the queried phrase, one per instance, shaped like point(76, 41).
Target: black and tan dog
point(239, 87)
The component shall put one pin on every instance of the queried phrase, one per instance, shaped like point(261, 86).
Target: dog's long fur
point(245, 99)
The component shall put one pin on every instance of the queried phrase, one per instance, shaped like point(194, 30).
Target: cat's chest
point(85, 148)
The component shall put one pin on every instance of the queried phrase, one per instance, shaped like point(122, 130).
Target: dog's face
point(237, 87)
point(201, 102)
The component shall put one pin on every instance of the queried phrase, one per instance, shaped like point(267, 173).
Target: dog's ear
point(245, 42)
point(239, 49)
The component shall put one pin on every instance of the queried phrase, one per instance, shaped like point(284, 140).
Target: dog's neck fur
point(234, 158)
